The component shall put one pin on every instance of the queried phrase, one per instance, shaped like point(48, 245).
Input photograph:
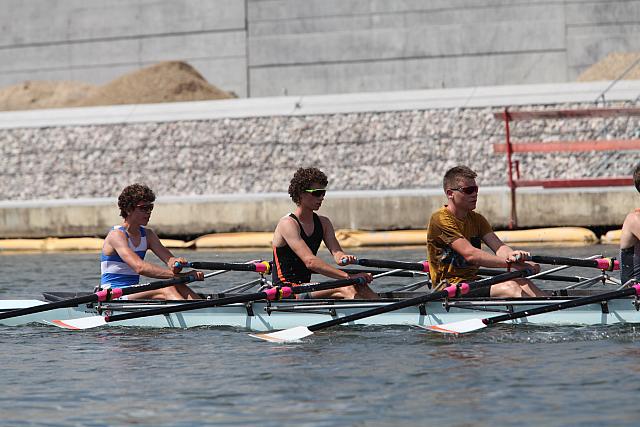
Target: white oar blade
point(460, 327)
point(286, 335)
point(80, 323)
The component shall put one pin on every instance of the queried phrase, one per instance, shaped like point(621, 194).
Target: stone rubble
point(358, 151)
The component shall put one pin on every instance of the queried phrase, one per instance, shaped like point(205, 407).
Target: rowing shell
point(264, 316)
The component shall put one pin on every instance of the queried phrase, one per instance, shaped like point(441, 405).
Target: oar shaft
point(259, 267)
point(634, 290)
point(601, 263)
point(379, 263)
point(396, 272)
point(550, 277)
point(103, 295)
point(50, 306)
point(451, 291)
point(269, 294)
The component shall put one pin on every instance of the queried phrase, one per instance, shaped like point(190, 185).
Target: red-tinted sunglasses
point(472, 189)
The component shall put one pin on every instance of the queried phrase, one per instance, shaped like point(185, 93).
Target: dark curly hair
point(302, 180)
point(132, 195)
point(636, 177)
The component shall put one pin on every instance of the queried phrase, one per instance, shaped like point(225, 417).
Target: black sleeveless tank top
point(630, 263)
point(289, 269)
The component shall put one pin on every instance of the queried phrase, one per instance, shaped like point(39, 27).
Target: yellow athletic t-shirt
point(445, 264)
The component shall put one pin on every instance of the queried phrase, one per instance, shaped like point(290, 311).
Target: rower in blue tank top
point(122, 259)
point(115, 272)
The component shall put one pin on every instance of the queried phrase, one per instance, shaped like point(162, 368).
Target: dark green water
point(368, 376)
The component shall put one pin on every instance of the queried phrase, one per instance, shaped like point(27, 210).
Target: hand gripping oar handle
point(380, 263)
point(608, 264)
point(271, 294)
point(258, 267)
point(448, 292)
point(100, 296)
point(633, 290)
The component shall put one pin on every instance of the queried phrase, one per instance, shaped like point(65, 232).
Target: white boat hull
point(261, 316)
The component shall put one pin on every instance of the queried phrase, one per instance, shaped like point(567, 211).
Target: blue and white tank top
point(115, 272)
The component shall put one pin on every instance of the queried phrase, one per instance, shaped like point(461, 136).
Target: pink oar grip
point(278, 293)
point(464, 288)
point(109, 294)
point(425, 266)
point(453, 289)
point(604, 263)
point(263, 267)
point(102, 295)
point(637, 288)
point(272, 293)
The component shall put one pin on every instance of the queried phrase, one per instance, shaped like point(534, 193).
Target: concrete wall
point(337, 46)
point(364, 210)
point(382, 210)
point(98, 40)
point(391, 147)
point(273, 47)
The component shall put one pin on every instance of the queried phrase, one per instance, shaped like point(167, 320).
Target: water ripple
point(365, 376)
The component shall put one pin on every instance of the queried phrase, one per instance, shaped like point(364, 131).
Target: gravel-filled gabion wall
point(358, 151)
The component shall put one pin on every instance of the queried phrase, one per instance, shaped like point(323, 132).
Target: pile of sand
point(612, 67)
point(172, 81)
point(31, 95)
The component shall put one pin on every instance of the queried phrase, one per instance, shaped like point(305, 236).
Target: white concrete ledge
point(485, 96)
point(364, 210)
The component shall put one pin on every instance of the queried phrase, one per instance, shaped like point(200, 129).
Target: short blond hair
point(452, 176)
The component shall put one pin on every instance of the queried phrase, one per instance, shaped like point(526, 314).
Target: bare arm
point(497, 245)
point(477, 256)
point(504, 257)
point(630, 230)
point(333, 245)
point(161, 251)
point(513, 257)
point(118, 242)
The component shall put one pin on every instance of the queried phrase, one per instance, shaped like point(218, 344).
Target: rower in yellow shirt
point(454, 239)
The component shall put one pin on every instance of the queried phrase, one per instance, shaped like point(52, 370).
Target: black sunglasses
point(145, 208)
point(467, 190)
point(318, 192)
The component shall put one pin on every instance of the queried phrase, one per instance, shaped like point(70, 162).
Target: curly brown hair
point(132, 195)
point(302, 180)
point(452, 176)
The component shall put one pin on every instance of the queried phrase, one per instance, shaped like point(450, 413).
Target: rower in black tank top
point(289, 268)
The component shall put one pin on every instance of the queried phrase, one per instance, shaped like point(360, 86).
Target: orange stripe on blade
point(64, 325)
point(441, 329)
